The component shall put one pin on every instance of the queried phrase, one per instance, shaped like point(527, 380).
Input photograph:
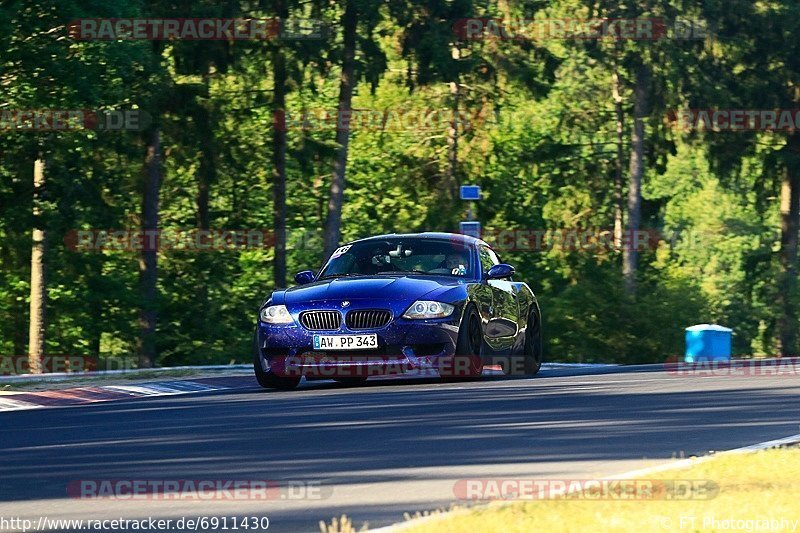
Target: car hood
point(393, 288)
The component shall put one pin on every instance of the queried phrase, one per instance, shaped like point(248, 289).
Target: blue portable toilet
point(708, 342)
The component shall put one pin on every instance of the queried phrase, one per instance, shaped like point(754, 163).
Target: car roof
point(467, 240)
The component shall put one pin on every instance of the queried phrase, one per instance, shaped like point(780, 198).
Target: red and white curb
point(15, 401)
point(238, 377)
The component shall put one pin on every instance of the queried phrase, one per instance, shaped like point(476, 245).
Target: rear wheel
point(533, 345)
point(531, 358)
point(467, 362)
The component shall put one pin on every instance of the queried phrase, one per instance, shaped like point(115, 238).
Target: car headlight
point(276, 314)
point(428, 309)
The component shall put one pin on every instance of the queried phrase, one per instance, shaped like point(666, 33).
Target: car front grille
point(368, 318)
point(321, 320)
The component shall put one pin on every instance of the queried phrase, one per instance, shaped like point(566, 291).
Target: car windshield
point(399, 256)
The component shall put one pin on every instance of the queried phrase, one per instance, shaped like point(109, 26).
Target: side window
point(487, 257)
point(493, 255)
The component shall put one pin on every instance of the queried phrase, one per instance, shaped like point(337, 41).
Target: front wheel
point(267, 379)
point(467, 362)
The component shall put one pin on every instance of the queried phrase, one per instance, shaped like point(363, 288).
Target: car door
point(501, 326)
point(483, 295)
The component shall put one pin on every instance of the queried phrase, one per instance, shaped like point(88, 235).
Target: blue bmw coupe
point(400, 304)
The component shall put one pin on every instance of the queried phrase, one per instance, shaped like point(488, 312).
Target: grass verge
point(757, 492)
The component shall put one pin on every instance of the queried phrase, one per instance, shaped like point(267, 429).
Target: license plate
point(345, 342)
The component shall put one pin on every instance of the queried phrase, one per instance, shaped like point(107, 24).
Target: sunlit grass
point(762, 486)
point(340, 525)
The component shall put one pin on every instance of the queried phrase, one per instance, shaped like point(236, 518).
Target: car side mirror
point(306, 276)
point(501, 271)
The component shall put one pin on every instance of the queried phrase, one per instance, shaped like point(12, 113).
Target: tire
point(531, 353)
point(268, 380)
point(468, 346)
point(533, 345)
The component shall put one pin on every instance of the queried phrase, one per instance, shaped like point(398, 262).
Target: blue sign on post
point(473, 229)
point(470, 192)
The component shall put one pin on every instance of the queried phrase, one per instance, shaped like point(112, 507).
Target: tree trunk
point(97, 305)
point(148, 261)
point(790, 223)
point(333, 223)
point(206, 176)
point(207, 172)
point(452, 142)
point(620, 141)
point(451, 179)
point(36, 330)
point(640, 109)
point(279, 158)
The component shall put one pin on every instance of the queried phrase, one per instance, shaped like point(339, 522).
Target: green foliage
point(594, 321)
point(540, 141)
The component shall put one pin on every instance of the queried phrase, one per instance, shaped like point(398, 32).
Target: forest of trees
point(361, 117)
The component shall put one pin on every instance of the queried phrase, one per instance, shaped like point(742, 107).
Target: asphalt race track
point(382, 449)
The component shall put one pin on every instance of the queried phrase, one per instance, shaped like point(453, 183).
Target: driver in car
point(453, 264)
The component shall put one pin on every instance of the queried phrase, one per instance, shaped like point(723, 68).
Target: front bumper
point(417, 347)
